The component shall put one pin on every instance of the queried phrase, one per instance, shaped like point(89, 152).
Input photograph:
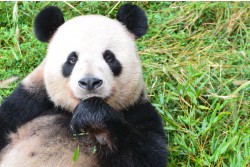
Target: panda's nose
point(90, 83)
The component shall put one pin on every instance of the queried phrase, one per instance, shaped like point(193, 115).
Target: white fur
point(89, 37)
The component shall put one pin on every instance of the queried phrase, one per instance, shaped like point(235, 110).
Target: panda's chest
point(46, 141)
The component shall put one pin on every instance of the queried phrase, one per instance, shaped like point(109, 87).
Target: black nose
point(90, 83)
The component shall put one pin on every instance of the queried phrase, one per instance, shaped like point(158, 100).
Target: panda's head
point(92, 56)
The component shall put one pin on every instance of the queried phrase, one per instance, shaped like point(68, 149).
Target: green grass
point(196, 62)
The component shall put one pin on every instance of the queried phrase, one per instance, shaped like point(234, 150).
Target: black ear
point(46, 23)
point(134, 18)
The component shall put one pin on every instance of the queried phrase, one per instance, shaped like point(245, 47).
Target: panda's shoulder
point(144, 115)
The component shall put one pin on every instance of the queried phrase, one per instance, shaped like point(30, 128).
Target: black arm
point(133, 138)
point(19, 108)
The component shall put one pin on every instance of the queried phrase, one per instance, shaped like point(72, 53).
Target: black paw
point(94, 116)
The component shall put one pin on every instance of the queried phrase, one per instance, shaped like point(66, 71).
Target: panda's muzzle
point(90, 83)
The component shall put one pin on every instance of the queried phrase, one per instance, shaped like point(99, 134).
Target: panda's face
point(93, 56)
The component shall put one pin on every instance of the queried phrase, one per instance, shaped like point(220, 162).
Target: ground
point(196, 62)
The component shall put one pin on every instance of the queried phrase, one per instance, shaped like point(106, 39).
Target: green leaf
point(76, 154)
point(203, 107)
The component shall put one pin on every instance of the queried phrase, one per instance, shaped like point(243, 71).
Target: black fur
point(68, 66)
point(133, 137)
point(92, 112)
point(113, 63)
point(134, 18)
point(46, 23)
point(20, 107)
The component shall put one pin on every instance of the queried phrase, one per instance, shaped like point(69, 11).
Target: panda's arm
point(140, 139)
point(135, 139)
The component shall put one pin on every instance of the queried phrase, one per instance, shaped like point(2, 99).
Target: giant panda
point(87, 98)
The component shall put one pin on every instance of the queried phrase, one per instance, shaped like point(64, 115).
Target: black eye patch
point(69, 64)
point(113, 63)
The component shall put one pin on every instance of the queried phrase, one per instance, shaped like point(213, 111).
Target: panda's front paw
point(94, 115)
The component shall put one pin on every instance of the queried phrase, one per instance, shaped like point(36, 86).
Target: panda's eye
point(72, 58)
point(109, 56)
point(112, 62)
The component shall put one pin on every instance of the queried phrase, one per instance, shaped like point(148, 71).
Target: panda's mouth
point(90, 96)
point(93, 95)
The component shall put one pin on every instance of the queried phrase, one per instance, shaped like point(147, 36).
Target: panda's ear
point(46, 23)
point(134, 18)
